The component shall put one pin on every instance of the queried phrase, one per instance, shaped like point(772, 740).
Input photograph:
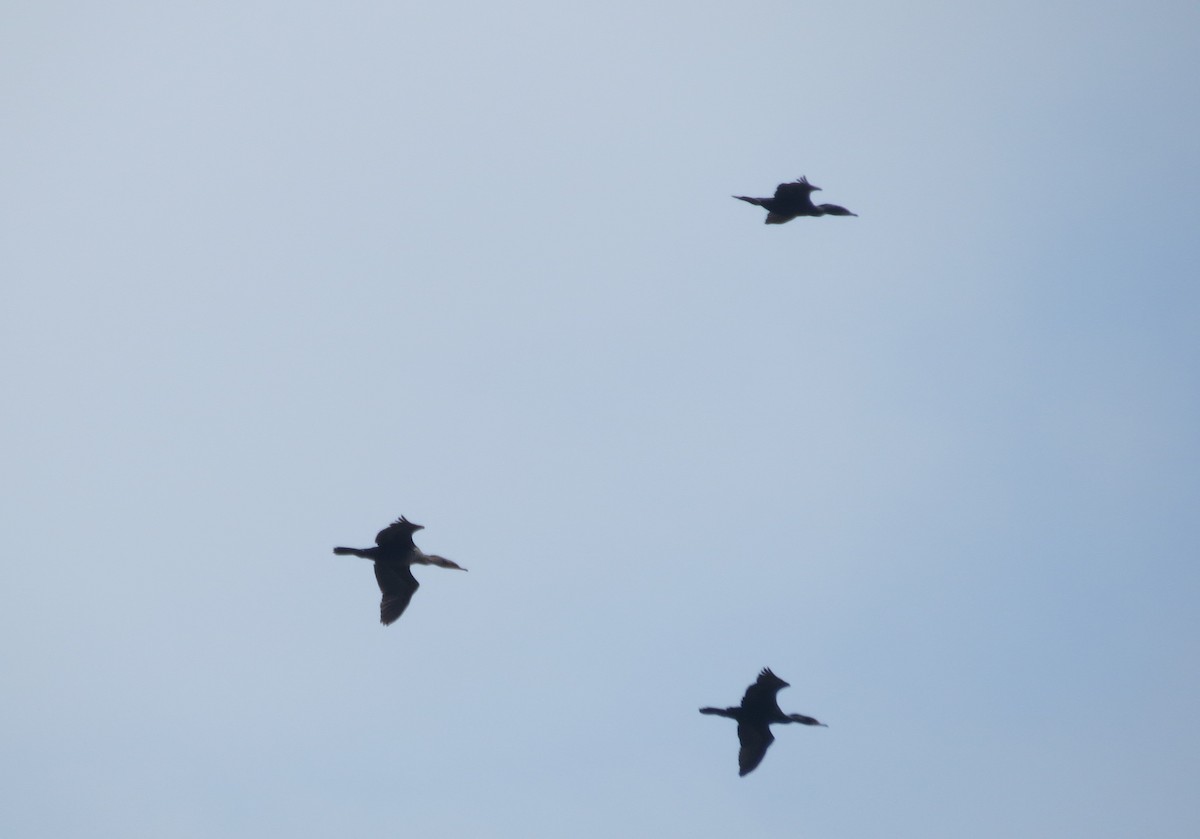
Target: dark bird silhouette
point(795, 199)
point(395, 554)
point(759, 709)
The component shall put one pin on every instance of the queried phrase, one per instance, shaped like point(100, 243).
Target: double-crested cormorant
point(759, 709)
point(395, 554)
point(795, 199)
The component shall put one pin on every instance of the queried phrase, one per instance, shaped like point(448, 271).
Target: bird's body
point(792, 200)
point(394, 555)
point(758, 711)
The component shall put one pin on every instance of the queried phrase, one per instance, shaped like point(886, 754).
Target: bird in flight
point(759, 709)
point(795, 199)
point(394, 555)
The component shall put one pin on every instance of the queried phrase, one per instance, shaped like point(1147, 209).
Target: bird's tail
point(720, 712)
point(758, 202)
point(351, 552)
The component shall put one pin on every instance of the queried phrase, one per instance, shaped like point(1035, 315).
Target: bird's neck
point(429, 559)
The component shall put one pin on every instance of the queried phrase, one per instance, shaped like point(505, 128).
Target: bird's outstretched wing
point(794, 190)
point(760, 696)
point(791, 200)
point(398, 586)
point(755, 740)
point(398, 534)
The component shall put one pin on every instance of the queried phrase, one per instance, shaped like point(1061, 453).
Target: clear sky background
point(275, 273)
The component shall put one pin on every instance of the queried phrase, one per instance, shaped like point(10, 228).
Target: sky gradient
point(277, 273)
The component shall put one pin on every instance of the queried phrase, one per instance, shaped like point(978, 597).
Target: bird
point(795, 199)
point(394, 555)
point(759, 709)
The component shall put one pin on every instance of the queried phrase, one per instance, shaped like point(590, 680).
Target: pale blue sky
point(276, 273)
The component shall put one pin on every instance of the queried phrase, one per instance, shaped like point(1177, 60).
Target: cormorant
point(795, 199)
point(759, 709)
point(394, 555)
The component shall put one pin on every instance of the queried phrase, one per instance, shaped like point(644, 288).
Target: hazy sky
point(277, 273)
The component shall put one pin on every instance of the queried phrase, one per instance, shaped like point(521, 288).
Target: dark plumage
point(795, 199)
point(759, 709)
point(394, 555)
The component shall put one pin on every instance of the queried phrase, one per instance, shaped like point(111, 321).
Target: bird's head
point(800, 718)
point(442, 562)
point(834, 210)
